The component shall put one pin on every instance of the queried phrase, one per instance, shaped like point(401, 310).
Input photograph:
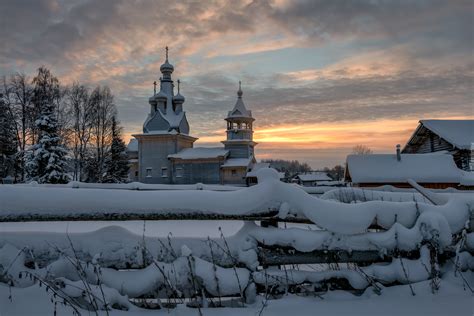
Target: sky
point(320, 76)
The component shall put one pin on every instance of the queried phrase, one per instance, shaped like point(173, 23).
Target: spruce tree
point(117, 160)
point(8, 143)
point(46, 161)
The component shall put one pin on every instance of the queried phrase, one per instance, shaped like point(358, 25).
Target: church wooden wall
point(239, 150)
point(239, 178)
point(198, 171)
point(153, 153)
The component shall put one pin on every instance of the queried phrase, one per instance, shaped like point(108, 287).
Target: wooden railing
point(413, 240)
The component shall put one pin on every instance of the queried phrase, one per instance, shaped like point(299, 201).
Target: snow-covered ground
point(185, 228)
point(130, 259)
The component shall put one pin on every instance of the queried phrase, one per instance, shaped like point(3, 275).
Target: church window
point(179, 172)
point(234, 172)
point(148, 172)
point(164, 172)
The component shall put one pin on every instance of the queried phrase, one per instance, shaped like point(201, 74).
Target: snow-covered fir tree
point(46, 161)
point(8, 144)
point(116, 161)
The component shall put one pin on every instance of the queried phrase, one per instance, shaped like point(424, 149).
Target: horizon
point(319, 77)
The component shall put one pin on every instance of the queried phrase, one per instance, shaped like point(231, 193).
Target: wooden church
point(165, 153)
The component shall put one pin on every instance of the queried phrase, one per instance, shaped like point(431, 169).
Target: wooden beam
point(132, 216)
point(277, 255)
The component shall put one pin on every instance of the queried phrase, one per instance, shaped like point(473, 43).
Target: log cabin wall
point(425, 141)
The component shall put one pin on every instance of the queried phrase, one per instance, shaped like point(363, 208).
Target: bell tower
point(239, 140)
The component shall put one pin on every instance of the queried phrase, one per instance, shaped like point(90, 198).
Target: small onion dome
point(166, 67)
point(178, 98)
point(152, 99)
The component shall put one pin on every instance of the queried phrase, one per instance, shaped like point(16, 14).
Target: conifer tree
point(116, 161)
point(8, 144)
point(46, 161)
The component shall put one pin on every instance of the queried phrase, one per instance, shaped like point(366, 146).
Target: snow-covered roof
point(237, 162)
point(257, 167)
point(239, 110)
point(200, 153)
point(314, 176)
point(467, 178)
point(385, 168)
point(262, 165)
point(132, 145)
point(460, 133)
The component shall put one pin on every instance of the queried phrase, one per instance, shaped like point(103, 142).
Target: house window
point(164, 172)
point(179, 172)
point(148, 172)
point(136, 173)
point(234, 172)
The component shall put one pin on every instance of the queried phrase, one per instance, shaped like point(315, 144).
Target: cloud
point(364, 61)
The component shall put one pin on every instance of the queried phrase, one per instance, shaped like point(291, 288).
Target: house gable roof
point(385, 168)
point(459, 133)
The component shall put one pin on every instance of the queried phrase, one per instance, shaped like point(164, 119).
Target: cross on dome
point(167, 69)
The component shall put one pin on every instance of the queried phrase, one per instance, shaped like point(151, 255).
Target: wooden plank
point(132, 216)
point(274, 256)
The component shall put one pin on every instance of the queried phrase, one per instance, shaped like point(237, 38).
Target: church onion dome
point(152, 99)
point(178, 98)
point(166, 67)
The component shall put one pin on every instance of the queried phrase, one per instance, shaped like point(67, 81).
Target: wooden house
point(310, 179)
point(453, 136)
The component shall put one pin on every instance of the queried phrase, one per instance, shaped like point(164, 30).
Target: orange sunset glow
point(317, 86)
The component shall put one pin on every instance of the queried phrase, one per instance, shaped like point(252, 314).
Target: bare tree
point(82, 120)
point(18, 97)
point(103, 109)
point(361, 150)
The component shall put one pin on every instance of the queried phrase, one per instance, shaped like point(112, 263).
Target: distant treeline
point(53, 133)
point(293, 167)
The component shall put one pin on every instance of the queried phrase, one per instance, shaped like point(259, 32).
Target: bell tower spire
point(240, 129)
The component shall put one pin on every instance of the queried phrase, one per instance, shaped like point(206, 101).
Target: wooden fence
point(413, 245)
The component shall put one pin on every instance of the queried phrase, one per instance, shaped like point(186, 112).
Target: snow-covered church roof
point(132, 145)
point(200, 153)
point(238, 162)
point(239, 110)
point(385, 168)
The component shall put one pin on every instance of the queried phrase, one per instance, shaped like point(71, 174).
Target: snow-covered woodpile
point(368, 241)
